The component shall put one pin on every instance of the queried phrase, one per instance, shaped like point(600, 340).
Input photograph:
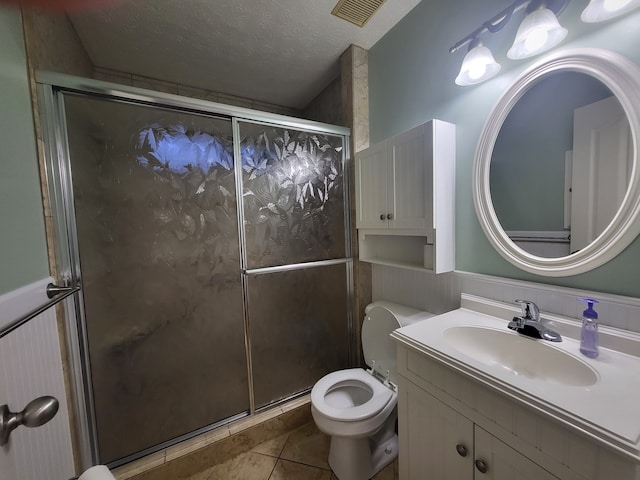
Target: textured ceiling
point(278, 51)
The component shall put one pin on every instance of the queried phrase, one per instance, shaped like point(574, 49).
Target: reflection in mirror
point(561, 164)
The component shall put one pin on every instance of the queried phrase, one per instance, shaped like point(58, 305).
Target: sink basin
point(520, 355)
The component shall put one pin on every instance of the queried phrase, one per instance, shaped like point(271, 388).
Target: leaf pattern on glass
point(193, 179)
point(293, 196)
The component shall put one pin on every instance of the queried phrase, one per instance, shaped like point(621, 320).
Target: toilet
point(357, 407)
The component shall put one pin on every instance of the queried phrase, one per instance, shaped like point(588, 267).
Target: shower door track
point(61, 199)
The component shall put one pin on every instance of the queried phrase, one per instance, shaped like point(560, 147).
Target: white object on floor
point(99, 472)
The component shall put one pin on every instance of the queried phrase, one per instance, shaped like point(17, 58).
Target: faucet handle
point(530, 310)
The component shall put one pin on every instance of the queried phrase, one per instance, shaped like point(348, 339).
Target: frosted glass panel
point(156, 220)
point(299, 329)
point(293, 195)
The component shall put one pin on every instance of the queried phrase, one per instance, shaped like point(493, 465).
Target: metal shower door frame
point(59, 184)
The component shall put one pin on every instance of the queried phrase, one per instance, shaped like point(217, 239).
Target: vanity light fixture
point(478, 65)
point(601, 10)
point(538, 32)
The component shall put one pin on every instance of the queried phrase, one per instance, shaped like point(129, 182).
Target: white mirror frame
point(622, 77)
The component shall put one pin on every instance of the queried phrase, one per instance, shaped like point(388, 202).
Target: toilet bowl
point(357, 407)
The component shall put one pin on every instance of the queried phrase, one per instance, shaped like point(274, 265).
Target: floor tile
point(388, 473)
point(248, 466)
point(309, 446)
point(272, 447)
point(286, 470)
point(202, 475)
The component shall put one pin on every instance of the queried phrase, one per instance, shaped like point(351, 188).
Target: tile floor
point(298, 455)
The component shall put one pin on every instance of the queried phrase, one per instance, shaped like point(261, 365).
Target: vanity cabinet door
point(436, 442)
point(503, 462)
point(371, 187)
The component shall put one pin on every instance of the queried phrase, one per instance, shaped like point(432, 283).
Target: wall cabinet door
point(371, 202)
point(409, 171)
point(393, 183)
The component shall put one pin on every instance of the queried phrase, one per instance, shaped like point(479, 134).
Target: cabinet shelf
point(410, 252)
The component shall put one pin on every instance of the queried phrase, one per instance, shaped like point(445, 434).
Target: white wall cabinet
point(405, 198)
point(447, 421)
point(438, 442)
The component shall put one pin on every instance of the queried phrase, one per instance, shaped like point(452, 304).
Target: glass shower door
point(296, 264)
point(156, 219)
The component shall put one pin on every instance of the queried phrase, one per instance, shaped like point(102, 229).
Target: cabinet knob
point(389, 216)
point(382, 216)
point(462, 450)
point(481, 466)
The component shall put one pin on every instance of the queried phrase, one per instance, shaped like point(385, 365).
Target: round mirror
point(556, 183)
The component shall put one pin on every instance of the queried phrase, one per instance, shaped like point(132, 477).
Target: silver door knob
point(382, 216)
point(36, 413)
point(389, 216)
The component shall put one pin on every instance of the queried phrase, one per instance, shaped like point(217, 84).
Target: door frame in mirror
point(622, 77)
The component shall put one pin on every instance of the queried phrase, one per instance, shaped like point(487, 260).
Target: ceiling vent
point(357, 12)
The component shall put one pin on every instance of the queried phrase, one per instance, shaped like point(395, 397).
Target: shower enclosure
point(212, 247)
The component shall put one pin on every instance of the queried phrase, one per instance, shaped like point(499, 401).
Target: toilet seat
point(381, 395)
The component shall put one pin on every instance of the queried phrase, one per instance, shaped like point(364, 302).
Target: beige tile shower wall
point(158, 85)
point(354, 79)
point(360, 82)
point(327, 107)
point(53, 44)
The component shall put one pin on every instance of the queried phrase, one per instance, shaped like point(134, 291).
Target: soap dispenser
point(589, 332)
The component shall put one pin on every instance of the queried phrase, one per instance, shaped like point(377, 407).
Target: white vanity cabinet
point(438, 442)
point(405, 198)
point(447, 421)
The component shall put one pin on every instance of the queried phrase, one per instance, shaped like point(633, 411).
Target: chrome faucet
point(529, 323)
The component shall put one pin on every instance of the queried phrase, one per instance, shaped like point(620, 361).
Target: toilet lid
point(377, 345)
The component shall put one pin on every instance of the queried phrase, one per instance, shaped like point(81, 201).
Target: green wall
point(23, 251)
point(411, 77)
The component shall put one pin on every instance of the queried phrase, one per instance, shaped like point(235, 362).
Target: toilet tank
point(381, 318)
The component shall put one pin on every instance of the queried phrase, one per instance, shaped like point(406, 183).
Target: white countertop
point(608, 410)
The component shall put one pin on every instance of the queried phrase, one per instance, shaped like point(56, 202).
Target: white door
point(371, 191)
point(31, 367)
point(602, 147)
point(408, 171)
point(503, 462)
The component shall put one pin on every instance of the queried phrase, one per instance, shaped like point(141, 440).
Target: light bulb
point(536, 39)
point(477, 70)
point(601, 10)
point(478, 65)
point(538, 32)
point(615, 5)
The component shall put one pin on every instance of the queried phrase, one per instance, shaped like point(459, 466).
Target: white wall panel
point(441, 293)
